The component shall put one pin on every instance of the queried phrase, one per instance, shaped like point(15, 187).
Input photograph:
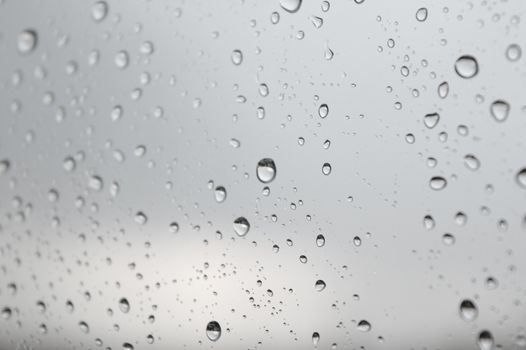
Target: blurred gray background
point(118, 120)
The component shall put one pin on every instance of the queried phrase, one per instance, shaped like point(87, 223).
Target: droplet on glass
point(421, 14)
point(485, 340)
point(266, 170)
point(437, 183)
point(213, 330)
point(500, 110)
point(468, 310)
point(27, 41)
point(466, 66)
point(237, 57)
point(520, 177)
point(290, 6)
point(241, 226)
point(326, 169)
point(364, 326)
point(124, 305)
point(319, 285)
point(431, 120)
point(443, 89)
point(99, 11)
point(220, 194)
point(323, 111)
point(513, 52)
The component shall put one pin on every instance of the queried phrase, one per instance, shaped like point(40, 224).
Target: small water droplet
point(99, 11)
point(437, 183)
point(124, 305)
point(364, 326)
point(237, 57)
point(319, 285)
point(421, 14)
point(326, 169)
point(443, 89)
point(500, 110)
point(468, 310)
point(471, 162)
point(220, 194)
point(521, 178)
point(485, 340)
point(513, 52)
point(315, 338)
point(27, 41)
point(323, 111)
point(122, 59)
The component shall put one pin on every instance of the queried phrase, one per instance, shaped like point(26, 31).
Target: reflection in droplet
point(213, 330)
point(466, 66)
point(241, 226)
point(266, 170)
point(471, 162)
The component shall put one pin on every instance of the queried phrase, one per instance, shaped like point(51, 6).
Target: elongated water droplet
point(237, 57)
point(99, 11)
point(124, 305)
point(443, 89)
point(471, 162)
point(323, 111)
point(521, 178)
point(326, 169)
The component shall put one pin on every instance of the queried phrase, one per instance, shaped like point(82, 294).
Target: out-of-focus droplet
point(466, 66)
point(468, 310)
point(213, 330)
point(500, 110)
point(124, 305)
point(237, 57)
point(315, 338)
point(485, 340)
point(27, 41)
point(513, 52)
point(122, 59)
point(266, 170)
point(290, 6)
point(99, 11)
point(520, 177)
point(241, 226)
point(364, 326)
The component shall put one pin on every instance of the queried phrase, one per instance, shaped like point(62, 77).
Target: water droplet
point(326, 169)
point(431, 120)
point(127, 346)
point(443, 89)
point(521, 178)
point(213, 330)
point(320, 240)
point(290, 6)
point(27, 41)
point(500, 110)
point(124, 305)
point(220, 194)
point(315, 338)
point(364, 326)
point(4, 166)
point(122, 59)
point(319, 285)
point(421, 14)
point(323, 111)
point(485, 340)
point(241, 226)
point(466, 66)
point(513, 52)
point(99, 11)
point(95, 183)
point(84, 327)
point(437, 183)
point(471, 162)
point(141, 218)
point(266, 170)
point(468, 310)
point(237, 57)
point(448, 239)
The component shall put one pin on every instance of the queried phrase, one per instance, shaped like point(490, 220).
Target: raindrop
point(443, 89)
point(466, 66)
point(437, 183)
point(468, 310)
point(326, 169)
point(84, 327)
point(485, 340)
point(364, 326)
point(27, 41)
point(124, 305)
point(237, 57)
point(323, 111)
point(241, 226)
point(513, 52)
point(290, 6)
point(122, 59)
point(521, 178)
point(220, 194)
point(315, 338)
point(266, 170)
point(213, 330)
point(500, 110)
point(431, 120)
point(319, 285)
point(95, 183)
point(421, 14)
point(471, 162)
point(99, 11)
point(320, 240)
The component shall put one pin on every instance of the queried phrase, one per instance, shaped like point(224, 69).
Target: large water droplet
point(319, 285)
point(315, 338)
point(290, 5)
point(468, 310)
point(213, 330)
point(499, 110)
point(323, 111)
point(27, 41)
point(466, 66)
point(364, 326)
point(241, 226)
point(266, 170)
